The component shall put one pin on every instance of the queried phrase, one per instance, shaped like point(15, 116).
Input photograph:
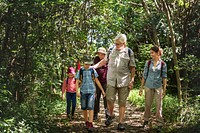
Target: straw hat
point(101, 50)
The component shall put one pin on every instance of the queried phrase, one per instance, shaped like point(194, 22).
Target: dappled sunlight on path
point(132, 122)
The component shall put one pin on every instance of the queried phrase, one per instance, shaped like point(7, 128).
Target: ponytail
point(160, 51)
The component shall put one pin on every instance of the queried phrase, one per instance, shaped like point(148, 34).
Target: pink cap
point(71, 70)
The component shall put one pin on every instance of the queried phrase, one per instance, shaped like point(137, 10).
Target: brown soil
point(133, 122)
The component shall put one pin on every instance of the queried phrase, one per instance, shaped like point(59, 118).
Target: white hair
point(121, 37)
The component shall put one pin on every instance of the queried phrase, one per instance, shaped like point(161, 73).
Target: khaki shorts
point(123, 93)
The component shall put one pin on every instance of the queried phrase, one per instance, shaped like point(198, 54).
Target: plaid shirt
point(88, 85)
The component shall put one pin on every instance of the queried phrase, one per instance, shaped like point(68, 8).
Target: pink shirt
point(70, 87)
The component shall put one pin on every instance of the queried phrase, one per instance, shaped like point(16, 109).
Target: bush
point(170, 105)
point(135, 99)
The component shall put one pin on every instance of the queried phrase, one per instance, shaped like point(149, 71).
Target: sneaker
point(86, 124)
point(121, 127)
point(109, 120)
point(145, 124)
point(90, 127)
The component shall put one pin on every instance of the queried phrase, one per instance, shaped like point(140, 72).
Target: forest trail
point(133, 122)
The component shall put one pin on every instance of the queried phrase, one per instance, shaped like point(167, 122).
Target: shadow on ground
point(133, 123)
point(60, 123)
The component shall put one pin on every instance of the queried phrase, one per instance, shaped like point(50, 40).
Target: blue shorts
point(87, 101)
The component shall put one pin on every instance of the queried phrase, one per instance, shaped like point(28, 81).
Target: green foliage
point(190, 68)
point(172, 111)
point(40, 39)
point(190, 111)
point(135, 99)
point(144, 55)
point(170, 104)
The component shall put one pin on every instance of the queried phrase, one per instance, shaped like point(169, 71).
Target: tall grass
point(173, 113)
point(170, 105)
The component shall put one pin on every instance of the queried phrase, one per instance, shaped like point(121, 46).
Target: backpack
point(110, 49)
point(162, 64)
point(81, 73)
point(68, 81)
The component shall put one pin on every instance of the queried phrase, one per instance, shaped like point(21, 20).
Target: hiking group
point(113, 73)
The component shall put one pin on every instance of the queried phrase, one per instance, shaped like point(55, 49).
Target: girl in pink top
point(69, 86)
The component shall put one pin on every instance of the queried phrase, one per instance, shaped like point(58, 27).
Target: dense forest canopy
point(40, 39)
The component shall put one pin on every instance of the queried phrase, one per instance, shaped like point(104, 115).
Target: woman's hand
point(164, 93)
point(104, 94)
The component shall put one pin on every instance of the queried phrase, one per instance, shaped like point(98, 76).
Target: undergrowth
point(176, 115)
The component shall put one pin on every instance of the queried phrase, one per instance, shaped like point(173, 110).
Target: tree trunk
point(169, 21)
point(155, 37)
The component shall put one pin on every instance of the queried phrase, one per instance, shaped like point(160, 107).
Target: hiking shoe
point(145, 124)
point(90, 127)
point(109, 120)
point(107, 116)
point(121, 127)
point(106, 113)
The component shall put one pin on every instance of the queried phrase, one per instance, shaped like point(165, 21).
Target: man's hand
point(130, 85)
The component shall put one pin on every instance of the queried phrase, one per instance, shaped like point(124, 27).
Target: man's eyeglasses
point(117, 43)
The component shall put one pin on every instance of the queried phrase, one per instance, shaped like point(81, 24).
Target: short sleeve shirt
point(118, 67)
point(87, 85)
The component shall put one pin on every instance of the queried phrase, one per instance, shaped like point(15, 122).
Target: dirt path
point(132, 122)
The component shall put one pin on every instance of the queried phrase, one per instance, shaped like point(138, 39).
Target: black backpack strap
point(92, 70)
point(67, 80)
point(92, 73)
point(129, 52)
point(149, 63)
point(81, 74)
point(109, 51)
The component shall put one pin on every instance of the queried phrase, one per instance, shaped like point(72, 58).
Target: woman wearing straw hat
point(102, 72)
